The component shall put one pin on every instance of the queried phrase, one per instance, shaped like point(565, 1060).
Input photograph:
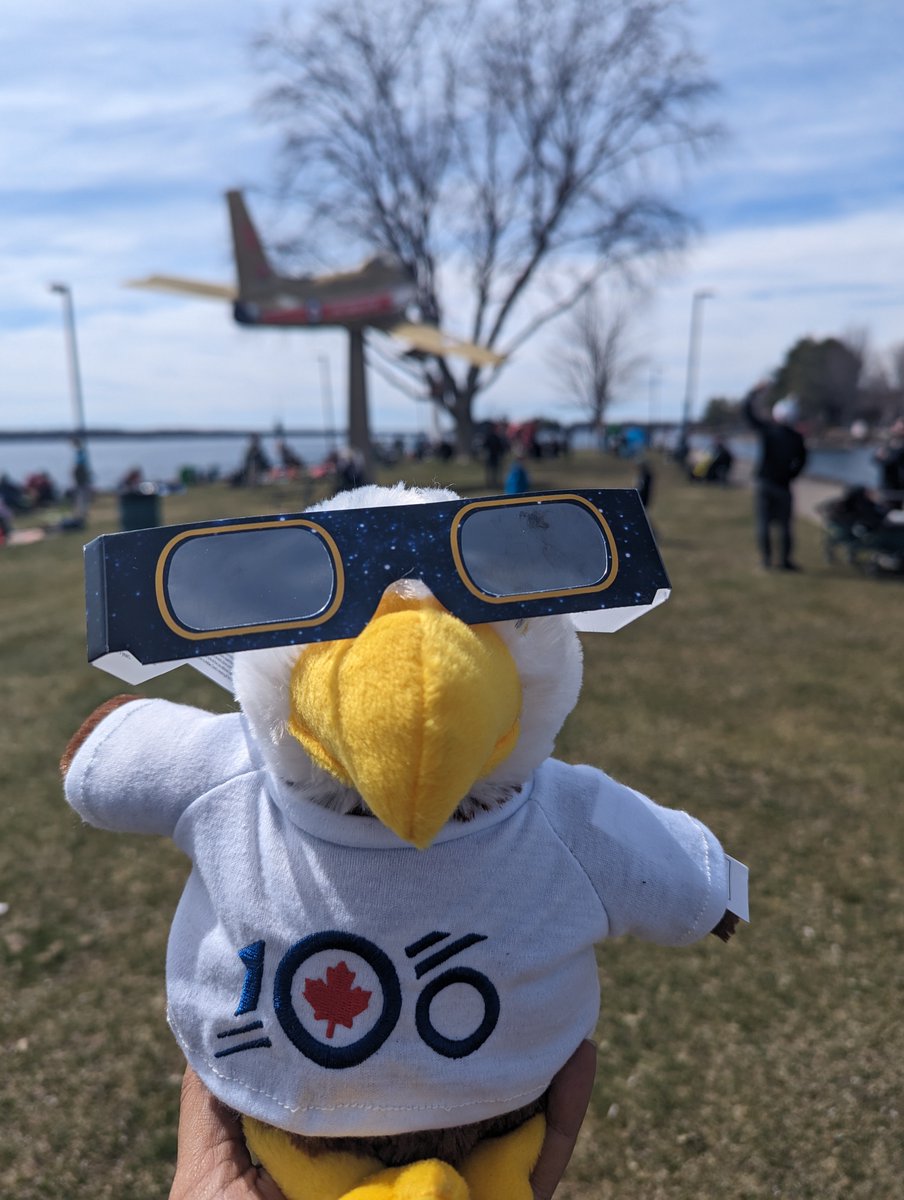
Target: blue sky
point(124, 123)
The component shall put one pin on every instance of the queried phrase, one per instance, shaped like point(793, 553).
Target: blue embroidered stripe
point(241, 1029)
point(447, 952)
point(255, 1045)
point(424, 943)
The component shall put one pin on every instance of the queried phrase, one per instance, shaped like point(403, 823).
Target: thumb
point(569, 1095)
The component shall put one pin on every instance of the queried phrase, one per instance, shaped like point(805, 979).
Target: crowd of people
point(510, 447)
point(859, 514)
point(345, 467)
point(507, 452)
point(870, 521)
point(38, 493)
point(37, 490)
point(504, 449)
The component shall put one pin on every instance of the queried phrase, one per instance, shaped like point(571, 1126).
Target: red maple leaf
point(335, 1000)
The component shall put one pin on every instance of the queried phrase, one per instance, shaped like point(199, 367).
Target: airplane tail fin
point(251, 262)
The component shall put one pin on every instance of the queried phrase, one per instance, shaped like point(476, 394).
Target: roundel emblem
point(337, 997)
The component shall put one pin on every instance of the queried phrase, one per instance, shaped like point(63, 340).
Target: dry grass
point(770, 705)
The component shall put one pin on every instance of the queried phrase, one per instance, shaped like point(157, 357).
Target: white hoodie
point(328, 978)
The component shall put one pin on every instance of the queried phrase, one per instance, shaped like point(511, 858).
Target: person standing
point(783, 455)
point(517, 480)
point(256, 464)
point(494, 447)
point(6, 522)
point(81, 480)
point(890, 461)
point(643, 482)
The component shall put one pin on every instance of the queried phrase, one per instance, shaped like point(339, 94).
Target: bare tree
point(593, 360)
point(507, 153)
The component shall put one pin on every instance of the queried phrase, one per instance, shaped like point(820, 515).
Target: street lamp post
point(81, 496)
point(75, 379)
point(652, 396)
point(693, 357)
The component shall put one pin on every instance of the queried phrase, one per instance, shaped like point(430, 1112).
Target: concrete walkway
point(809, 493)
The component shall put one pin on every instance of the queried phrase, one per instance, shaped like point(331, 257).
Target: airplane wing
point(191, 287)
point(431, 340)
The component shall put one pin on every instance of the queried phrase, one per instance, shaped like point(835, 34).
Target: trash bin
point(139, 510)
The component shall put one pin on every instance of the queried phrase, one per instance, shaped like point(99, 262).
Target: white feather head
point(546, 651)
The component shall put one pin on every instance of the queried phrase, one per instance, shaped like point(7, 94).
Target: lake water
point(849, 467)
point(161, 459)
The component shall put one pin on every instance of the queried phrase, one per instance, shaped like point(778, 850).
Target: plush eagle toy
point(385, 948)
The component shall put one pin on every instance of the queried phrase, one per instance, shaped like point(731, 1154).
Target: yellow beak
point(410, 713)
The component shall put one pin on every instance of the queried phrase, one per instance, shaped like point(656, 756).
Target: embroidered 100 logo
point(337, 997)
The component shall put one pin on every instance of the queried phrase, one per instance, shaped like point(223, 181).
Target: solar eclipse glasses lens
point(291, 573)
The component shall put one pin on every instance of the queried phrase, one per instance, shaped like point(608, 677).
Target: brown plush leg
point(728, 923)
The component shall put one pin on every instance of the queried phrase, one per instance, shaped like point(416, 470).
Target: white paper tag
point(217, 667)
point(737, 888)
point(125, 666)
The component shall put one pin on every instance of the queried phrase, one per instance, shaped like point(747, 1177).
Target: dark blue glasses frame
point(208, 588)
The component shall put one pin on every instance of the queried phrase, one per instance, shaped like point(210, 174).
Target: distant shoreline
point(57, 435)
point(828, 440)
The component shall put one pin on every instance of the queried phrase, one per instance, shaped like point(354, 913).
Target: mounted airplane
point(377, 295)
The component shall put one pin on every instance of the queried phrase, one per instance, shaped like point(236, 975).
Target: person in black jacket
point(890, 461)
point(783, 455)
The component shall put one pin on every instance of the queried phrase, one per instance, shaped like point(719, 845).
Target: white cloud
point(773, 286)
point(124, 124)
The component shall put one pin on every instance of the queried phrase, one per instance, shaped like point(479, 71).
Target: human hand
point(213, 1161)
point(569, 1095)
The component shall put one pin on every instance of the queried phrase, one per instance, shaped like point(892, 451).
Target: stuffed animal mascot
point(385, 948)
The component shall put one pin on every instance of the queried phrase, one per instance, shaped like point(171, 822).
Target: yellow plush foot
point(302, 1176)
point(339, 1176)
point(500, 1168)
point(428, 1180)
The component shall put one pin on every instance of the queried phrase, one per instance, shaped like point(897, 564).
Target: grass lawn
point(770, 705)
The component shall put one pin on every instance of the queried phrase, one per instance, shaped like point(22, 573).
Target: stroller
point(870, 534)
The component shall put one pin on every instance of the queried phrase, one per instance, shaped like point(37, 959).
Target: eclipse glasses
point(159, 597)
